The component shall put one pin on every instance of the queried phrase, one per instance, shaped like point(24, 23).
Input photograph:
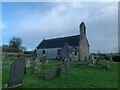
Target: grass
point(81, 77)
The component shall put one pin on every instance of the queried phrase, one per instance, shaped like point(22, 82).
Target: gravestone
point(90, 60)
point(93, 61)
point(27, 62)
point(97, 60)
point(37, 67)
point(16, 73)
point(48, 75)
point(67, 66)
point(44, 59)
point(58, 72)
point(111, 59)
point(107, 66)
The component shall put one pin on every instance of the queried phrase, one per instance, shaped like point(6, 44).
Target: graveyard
point(79, 77)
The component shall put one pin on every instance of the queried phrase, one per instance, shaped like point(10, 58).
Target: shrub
point(116, 58)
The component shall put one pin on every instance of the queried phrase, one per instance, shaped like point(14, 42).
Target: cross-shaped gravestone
point(48, 75)
point(16, 73)
point(58, 72)
point(67, 66)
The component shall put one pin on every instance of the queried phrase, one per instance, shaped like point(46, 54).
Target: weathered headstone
point(107, 66)
point(44, 58)
point(111, 59)
point(97, 60)
point(67, 66)
point(48, 75)
point(27, 62)
point(37, 67)
point(89, 60)
point(58, 72)
point(16, 73)
point(93, 61)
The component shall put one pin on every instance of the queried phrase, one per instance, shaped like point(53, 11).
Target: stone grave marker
point(111, 59)
point(44, 58)
point(58, 72)
point(93, 61)
point(16, 73)
point(27, 62)
point(67, 66)
point(90, 60)
point(37, 67)
point(97, 60)
point(107, 65)
point(48, 75)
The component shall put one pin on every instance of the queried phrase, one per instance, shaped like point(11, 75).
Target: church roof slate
point(59, 42)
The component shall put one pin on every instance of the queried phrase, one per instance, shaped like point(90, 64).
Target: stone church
point(76, 47)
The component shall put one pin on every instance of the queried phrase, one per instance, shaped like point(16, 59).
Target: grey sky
point(51, 20)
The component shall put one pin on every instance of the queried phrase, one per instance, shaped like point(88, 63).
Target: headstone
point(111, 59)
point(107, 66)
point(58, 72)
point(16, 73)
point(93, 61)
point(48, 75)
point(44, 58)
point(97, 60)
point(27, 62)
point(67, 66)
point(90, 60)
point(37, 67)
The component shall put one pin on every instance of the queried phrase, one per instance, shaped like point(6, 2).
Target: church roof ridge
point(59, 42)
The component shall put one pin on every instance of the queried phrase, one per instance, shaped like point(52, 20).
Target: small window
point(58, 52)
point(43, 51)
point(75, 52)
point(84, 30)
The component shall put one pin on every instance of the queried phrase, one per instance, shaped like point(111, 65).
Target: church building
point(76, 47)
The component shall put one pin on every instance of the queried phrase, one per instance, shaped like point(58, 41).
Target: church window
point(75, 52)
point(84, 30)
point(58, 52)
point(43, 51)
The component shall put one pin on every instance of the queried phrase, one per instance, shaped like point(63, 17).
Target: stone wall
point(50, 52)
point(84, 48)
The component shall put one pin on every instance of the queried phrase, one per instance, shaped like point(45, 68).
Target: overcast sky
point(34, 20)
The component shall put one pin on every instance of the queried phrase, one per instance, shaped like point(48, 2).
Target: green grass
point(81, 77)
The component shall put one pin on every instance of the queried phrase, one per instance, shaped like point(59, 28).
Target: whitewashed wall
point(50, 52)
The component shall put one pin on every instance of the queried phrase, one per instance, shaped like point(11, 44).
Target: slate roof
point(59, 42)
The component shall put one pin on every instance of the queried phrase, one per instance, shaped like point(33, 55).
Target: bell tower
point(84, 50)
point(82, 30)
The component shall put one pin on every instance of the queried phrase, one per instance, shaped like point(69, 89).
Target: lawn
point(81, 77)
